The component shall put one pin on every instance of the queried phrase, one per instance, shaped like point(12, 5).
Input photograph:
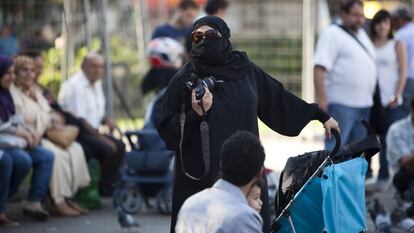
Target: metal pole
point(86, 12)
point(65, 32)
point(105, 41)
point(145, 23)
point(162, 11)
point(139, 26)
point(308, 29)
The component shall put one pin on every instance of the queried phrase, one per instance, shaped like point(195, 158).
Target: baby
point(253, 197)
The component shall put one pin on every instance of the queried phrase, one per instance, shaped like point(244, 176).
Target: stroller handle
point(337, 142)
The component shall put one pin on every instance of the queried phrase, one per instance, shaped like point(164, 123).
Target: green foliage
point(280, 57)
point(53, 60)
point(123, 51)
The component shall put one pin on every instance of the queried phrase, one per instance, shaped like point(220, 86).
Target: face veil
point(215, 56)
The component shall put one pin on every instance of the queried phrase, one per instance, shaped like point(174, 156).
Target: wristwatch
point(393, 98)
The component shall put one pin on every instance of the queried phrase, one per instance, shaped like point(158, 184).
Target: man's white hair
point(91, 55)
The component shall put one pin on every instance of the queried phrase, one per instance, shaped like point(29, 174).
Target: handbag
point(63, 136)
point(378, 114)
point(12, 141)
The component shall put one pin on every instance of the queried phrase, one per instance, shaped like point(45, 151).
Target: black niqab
point(216, 57)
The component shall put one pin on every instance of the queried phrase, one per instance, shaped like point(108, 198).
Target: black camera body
point(199, 85)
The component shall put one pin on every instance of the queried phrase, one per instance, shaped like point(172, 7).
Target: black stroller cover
point(300, 168)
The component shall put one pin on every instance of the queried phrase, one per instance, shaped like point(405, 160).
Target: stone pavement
point(99, 221)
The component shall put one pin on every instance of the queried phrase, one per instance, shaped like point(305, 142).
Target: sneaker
point(35, 211)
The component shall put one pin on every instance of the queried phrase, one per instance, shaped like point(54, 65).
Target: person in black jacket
point(244, 93)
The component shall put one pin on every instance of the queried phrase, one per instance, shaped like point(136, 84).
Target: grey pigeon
point(126, 220)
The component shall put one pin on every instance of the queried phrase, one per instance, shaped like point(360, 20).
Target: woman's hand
point(26, 136)
point(36, 137)
point(393, 103)
point(330, 125)
point(207, 102)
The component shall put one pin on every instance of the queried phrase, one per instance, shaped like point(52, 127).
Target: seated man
point(82, 96)
point(400, 151)
point(224, 207)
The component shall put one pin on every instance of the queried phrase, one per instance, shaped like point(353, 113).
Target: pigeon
point(126, 220)
point(380, 217)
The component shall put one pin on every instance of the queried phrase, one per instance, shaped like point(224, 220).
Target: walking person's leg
point(383, 172)
point(345, 116)
point(358, 131)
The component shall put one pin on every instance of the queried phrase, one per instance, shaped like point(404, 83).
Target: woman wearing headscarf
point(21, 153)
point(70, 171)
point(244, 93)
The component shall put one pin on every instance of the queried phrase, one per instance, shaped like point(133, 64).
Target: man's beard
point(355, 27)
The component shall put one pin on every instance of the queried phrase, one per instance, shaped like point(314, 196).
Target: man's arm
point(319, 75)
point(398, 149)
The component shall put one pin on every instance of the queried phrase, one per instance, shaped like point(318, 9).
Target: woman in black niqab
point(245, 94)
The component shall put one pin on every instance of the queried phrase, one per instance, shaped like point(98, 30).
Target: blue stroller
point(324, 191)
point(146, 172)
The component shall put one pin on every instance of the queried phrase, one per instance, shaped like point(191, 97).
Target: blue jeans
point(41, 160)
point(349, 120)
point(5, 175)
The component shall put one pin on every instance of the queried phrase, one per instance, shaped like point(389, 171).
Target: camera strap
point(205, 143)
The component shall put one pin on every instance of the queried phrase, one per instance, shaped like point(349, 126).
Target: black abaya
point(237, 103)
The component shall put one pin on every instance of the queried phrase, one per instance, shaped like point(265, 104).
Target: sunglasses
point(197, 36)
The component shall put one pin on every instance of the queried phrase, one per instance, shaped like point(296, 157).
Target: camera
point(199, 85)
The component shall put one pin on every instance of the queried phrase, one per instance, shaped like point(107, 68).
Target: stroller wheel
point(164, 200)
point(129, 199)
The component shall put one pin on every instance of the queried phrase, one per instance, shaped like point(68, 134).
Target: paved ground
point(278, 149)
point(102, 221)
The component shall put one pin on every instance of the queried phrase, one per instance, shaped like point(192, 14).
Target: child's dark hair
point(242, 157)
point(259, 183)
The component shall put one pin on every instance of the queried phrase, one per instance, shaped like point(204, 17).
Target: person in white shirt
point(400, 152)
point(391, 58)
point(224, 208)
point(402, 21)
point(345, 72)
point(82, 95)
